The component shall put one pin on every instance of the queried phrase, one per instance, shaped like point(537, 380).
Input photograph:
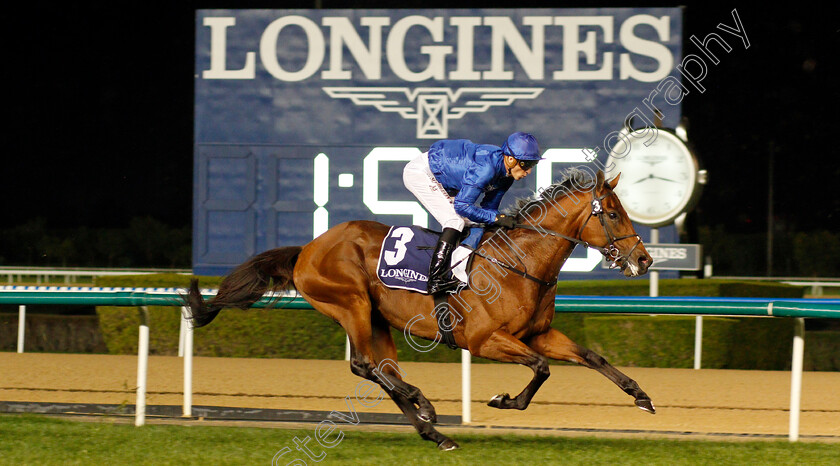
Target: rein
point(521, 273)
point(610, 251)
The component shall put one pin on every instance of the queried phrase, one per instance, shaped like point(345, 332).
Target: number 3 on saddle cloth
point(404, 263)
point(407, 252)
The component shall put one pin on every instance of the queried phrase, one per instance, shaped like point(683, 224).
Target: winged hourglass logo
point(433, 107)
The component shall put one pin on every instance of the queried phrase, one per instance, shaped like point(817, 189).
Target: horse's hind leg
point(374, 358)
point(373, 346)
point(502, 346)
point(341, 293)
point(408, 398)
point(385, 350)
point(555, 345)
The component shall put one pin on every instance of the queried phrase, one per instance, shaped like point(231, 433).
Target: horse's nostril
point(644, 260)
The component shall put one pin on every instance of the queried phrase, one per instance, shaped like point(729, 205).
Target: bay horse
point(336, 274)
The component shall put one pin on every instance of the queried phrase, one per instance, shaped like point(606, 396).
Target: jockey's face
point(515, 169)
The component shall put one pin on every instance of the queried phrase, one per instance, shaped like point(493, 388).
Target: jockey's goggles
point(527, 164)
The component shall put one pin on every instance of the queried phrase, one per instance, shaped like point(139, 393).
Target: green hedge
point(668, 341)
point(822, 351)
point(51, 333)
point(663, 341)
point(269, 333)
point(681, 287)
point(157, 280)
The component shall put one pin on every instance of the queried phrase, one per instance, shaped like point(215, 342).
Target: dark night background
point(100, 140)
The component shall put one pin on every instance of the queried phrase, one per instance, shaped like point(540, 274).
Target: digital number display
point(293, 194)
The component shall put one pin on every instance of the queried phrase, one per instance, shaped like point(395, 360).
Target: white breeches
point(420, 180)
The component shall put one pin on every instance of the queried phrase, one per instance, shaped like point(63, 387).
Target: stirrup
point(442, 284)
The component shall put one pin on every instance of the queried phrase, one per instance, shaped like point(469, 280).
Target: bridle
point(610, 251)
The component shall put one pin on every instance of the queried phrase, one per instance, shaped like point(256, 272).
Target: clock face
point(657, 181)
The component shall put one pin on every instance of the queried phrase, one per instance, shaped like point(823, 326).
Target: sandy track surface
point(704, 401)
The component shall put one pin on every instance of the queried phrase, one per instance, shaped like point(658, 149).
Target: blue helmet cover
point(522, 146)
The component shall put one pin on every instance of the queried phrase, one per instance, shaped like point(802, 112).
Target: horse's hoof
point(448, 445)
point(498, 400)
point(646, 405)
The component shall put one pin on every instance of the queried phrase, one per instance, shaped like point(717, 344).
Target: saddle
point(407, 252)
point(404, 264)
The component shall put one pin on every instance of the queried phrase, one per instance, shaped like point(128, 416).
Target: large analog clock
point(659, 181)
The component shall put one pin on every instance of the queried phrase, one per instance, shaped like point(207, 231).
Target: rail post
point(188, 362)
point(142, 367)
point(698, 341)
point(21, 327)
point(466, 386)
point(796, 377)
point(347, 348)
point(182, 332)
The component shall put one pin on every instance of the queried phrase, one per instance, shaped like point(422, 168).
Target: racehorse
point(336, 274)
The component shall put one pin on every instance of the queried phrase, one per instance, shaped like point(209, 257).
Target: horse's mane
point(573, 180)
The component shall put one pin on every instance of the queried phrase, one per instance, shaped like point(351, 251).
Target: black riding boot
point(441, 262)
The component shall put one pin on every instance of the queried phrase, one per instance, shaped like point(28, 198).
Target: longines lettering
point(668, 253)
point(581, 37)
point(406, 275)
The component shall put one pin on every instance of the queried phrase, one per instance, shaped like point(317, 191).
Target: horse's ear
point(599, 180)
point(613, 182)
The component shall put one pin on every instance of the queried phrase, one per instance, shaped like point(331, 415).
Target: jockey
point(448, 180)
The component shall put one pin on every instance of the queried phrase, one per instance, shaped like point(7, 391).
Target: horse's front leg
point(555, 345)
point(504, 347)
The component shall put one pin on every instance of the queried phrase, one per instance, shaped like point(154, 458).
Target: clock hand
point(663, 179)
point(643, 179)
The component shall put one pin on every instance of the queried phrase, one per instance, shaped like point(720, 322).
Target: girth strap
point(444, 319)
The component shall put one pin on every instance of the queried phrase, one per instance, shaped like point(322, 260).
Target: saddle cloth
point(407, 252)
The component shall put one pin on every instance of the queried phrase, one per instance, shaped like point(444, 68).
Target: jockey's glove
point(505, 221)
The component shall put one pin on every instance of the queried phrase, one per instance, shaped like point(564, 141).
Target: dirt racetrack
point(703, 402)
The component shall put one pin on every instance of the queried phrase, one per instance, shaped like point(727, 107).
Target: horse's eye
point(613, 215)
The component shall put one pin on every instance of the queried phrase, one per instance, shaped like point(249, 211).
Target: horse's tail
point(245, 285)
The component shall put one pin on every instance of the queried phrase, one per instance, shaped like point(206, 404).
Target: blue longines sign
point(305, 118)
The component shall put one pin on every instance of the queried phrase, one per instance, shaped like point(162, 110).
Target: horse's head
point(612, 230)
